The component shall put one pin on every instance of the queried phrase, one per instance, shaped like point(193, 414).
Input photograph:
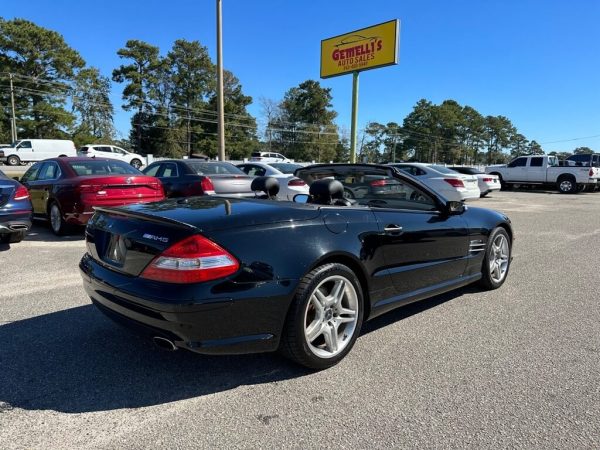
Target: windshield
point(286, 167)
point(442, 169)
point(99, 167)
point(467, 170)
point(215, 168)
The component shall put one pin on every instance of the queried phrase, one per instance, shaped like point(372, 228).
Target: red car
point(65, 190)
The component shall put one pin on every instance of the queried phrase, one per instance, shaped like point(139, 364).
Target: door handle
point(393, 229)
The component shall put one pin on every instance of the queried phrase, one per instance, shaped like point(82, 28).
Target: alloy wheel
point(499, 258)
point(55, 218)
point(331, 316)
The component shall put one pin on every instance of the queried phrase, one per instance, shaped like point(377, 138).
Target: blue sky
point(535, 61)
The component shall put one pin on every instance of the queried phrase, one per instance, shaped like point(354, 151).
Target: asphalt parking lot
point(516, 367)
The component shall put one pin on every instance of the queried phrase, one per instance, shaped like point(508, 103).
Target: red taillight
point(378, 183)
point(21, 193)
point(488, 180)
point(296, 182)
point(207, 186)
point(591, 172)
point(193, 260)
point(455, 182)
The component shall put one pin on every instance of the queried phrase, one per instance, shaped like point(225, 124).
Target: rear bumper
point(219, 317)
point(11, 222)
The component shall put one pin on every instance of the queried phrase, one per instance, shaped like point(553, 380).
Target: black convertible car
point(232, 275)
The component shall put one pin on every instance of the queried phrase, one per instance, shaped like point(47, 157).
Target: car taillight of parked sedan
point(208, 188)
point(21, 193)
point(192, 260)
point(297, 182)
point(454, 182)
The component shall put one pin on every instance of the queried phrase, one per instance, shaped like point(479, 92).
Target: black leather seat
point(268, 185)
point(328, 192)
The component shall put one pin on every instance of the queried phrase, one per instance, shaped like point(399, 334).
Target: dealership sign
point(363, 49)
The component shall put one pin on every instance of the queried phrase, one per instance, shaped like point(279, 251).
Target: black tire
point(136, 163)
point(566, 185)
point(295, 343)
point(13, 160)
point(503, 185)
point(489, 279)
point(57, 224)
point(12, 238)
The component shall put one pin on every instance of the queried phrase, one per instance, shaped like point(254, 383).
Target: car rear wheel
point(325, 317)
point(136, 163)
point(13, 160)
point(497, 259)
point(57, 223)
point(12, 238)
point(567, 185)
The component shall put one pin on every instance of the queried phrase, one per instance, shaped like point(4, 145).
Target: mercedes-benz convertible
point(219, 275)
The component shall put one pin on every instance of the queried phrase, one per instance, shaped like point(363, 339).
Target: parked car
point(448, 183)
point(189, 177)
point(65, 190)
point(486, 182)
point(545, 171)
point(268, 157)
point(232, 275)
point(15, 210)
point(289, 185)
point(31, 150)
point(113, 152)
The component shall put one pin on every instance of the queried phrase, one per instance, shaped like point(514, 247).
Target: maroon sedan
point(65, 190)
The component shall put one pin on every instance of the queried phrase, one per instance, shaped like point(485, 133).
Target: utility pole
point(13, 122)
point(220, 107)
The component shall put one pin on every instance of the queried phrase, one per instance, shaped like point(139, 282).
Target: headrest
point(327, 187)
point(268, 185)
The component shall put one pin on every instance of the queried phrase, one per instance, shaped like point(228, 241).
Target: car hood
point(211, 213)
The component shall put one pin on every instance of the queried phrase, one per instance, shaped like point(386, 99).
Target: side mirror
point(455, 208)
point(301, 198)
point(16, 178)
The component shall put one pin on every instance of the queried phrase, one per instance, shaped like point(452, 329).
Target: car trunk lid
point(6, 192)
point(119, 190)
point(127, 239)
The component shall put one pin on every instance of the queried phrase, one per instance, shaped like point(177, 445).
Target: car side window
point(152, 170)
point(519, 162)
point(31, 174)
point(169, 170)
point(49, 171)
point(25, 144)
point(538, 161)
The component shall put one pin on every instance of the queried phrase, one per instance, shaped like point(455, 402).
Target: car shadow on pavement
point(77, 360)
point(40, 232)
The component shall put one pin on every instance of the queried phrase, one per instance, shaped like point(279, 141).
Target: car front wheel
point(136, 163)
point(325, 317)
point(497, 259)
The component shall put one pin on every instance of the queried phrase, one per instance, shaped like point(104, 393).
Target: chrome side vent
point(476, 246)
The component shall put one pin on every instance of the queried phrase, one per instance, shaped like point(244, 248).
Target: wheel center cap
point(328, 314)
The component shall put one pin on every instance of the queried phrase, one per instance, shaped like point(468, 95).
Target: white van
point(28, 150)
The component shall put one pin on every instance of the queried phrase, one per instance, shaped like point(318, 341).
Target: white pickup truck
point(545, 170)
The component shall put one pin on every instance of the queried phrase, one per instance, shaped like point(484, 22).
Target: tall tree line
point(172, 98)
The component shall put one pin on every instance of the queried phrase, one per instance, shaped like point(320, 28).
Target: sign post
point(364, 49)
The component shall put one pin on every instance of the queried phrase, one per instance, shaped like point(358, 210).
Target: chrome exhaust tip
point(164, 343)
